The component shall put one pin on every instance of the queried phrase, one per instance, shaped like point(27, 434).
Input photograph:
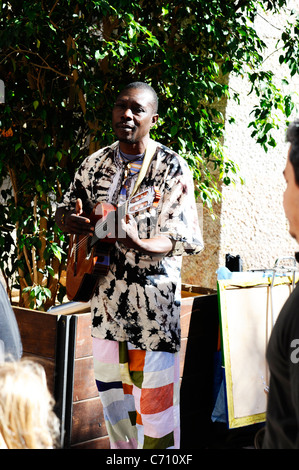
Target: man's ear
point(155, 118)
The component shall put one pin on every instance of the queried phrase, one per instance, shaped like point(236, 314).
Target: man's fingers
point(79, 207)
point(79, 225)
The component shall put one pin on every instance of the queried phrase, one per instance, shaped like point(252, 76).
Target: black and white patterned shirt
point(139, 299)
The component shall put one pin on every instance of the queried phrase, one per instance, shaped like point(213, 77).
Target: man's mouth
point(124, 126)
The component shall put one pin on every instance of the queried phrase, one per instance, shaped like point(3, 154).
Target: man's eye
point(138, 110)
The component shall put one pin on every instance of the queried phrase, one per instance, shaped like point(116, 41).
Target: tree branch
point(46, 66)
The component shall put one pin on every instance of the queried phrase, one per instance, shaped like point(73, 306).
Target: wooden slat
point(38, 331)
point(189, 290)
point(84, 381)
point(186, 310)
point(100, 443)
point(83, 339)
point(88, 421)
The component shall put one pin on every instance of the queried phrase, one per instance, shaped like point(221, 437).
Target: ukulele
point(89, 255)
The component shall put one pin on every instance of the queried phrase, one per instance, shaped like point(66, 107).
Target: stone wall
point(250, 219)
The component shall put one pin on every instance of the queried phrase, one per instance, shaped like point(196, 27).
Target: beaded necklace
point(133, 164)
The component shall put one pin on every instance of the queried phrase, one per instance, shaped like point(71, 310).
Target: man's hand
point(74, 222)
point(159, 245)
point(129, 235)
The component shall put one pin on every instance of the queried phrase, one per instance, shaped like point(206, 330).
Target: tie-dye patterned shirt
point(139, 299)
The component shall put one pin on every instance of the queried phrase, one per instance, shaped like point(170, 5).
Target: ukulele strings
point(83, 240)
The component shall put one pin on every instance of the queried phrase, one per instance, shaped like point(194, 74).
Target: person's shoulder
point(288, 317)
point(98, 154)
point(173, 159)
point(171, 154)
point(166, 150)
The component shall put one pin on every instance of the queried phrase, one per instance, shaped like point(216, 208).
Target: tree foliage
point(63, 63)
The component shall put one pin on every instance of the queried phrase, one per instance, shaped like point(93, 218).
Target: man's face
point(133, 115)
point(291, 200)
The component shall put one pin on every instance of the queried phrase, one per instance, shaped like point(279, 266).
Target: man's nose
point(127, 114)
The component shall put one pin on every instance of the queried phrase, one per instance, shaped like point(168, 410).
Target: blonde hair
point(27, 419)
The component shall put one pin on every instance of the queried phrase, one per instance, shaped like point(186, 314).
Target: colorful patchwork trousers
point(139, 391)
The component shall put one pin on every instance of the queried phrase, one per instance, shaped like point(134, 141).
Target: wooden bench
point(61, 340)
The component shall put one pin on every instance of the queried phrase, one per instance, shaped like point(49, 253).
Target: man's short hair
point(147, 87)
point(293, 139)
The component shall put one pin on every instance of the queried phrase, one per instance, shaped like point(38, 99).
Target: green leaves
point(273, 105)
point(290, 55)
point(56, 250)
point(63, 64)
point(37, 295)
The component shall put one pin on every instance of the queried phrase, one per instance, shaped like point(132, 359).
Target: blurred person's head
point(291, 174)
point(27, 419)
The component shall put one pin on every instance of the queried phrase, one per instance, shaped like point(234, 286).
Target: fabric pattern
point(139, 391)
point(139, 300)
